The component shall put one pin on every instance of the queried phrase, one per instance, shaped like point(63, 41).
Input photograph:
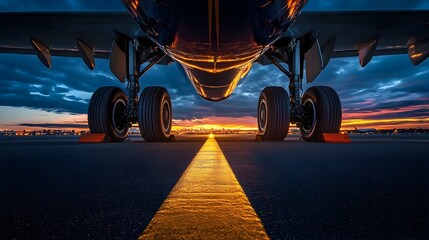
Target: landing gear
point(321, 113)
point(273, 114)
point(113, 112)
point(107, 113)
point(154, 115)
point(318, 111)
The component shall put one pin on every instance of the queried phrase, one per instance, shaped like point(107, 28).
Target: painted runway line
point(206, 203)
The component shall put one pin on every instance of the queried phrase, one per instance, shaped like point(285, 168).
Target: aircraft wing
point(392, 32)
point(395, 31)
point(59, 31)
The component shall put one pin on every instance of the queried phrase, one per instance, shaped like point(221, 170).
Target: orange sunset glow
point(250, 123)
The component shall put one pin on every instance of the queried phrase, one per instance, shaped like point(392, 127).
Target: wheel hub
point(166, 118)
point(119, 117)
point(309, 116)
point(262, 115)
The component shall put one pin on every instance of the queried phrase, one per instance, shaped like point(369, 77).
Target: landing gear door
point(313, 62)
point(118, 62)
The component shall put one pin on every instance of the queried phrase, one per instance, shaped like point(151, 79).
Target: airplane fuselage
point(216, 42)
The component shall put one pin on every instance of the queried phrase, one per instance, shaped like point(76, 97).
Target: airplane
point(216, 42)
point(365, 130)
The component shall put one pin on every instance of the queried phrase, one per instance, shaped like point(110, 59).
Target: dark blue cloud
point(341, 5)
point(63, 5)
point(116, 5)
point(387, 83)
point(52, 125)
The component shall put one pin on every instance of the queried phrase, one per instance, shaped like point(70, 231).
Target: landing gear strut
point(316, 112)
point(113, 112)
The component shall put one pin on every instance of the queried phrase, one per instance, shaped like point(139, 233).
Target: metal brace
point(295, 85)
point(133, 87)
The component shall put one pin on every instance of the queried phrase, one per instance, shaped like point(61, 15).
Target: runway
point(374, 188)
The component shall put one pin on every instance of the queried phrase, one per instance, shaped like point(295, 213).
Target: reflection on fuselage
point(216, 42)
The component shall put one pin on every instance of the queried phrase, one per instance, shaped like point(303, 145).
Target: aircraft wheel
point(273, 114)
point(107, 113)
point(321, 113)
point(155, 114)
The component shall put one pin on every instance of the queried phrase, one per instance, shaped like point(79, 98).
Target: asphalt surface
point(374, 188)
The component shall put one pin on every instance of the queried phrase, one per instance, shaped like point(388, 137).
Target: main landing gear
point(113, 112)
point(273, 114)
point(318, 111)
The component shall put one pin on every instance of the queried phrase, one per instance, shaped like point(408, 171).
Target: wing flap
point(59, 31)
point(352, 29)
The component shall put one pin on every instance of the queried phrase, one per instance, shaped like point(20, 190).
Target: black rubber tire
point(151, 116)
point(275, 127)
point(100, 113)
point(328, 113)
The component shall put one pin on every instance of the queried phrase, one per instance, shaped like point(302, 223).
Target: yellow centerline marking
point(206, 203)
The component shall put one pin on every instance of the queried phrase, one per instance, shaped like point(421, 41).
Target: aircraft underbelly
point(215, 41)
point(219, 56)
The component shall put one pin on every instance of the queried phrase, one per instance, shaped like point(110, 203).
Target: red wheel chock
point(336, 138)
point(93, 138)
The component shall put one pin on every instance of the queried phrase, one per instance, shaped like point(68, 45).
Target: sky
point(389, 93)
